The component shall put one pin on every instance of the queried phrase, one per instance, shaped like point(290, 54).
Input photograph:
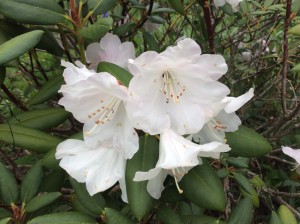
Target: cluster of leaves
point(241, 187)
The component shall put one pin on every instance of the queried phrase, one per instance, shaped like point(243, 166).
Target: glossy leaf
point(48, 91)
point(124, 28)
point(41, 201)
point(285, 215)
point(53, 182)
point(31, 182)
point(242, 213)
point(168, 216)
point(140, 202)
point(97, 30)
point(9, 190)
point(17, 46)
point(202, 186)
point(121, 74)
point(177, 5)
point(27, 138)
point(95, 204)
point(115, 217)
point(63, 218)
point(46, 12)
point(247, 143)
point(41, 119)
point(101, 6)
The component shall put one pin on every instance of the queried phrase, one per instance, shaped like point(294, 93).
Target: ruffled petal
point(294, 153)
point(213, 149)
point(155, 186)
point(235, 103)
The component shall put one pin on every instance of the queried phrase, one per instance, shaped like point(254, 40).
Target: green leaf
point(285, 215)
point(177, 5)
point(156, 19)
point(4, 213)
point(120, 73)
point(9, 191)
point(140, 202)
point(53, 182)
point(46, 12)
point(41, 119)
point(242, 213)
point(95, 204)
point(275, 219)
point(27, 138)
point(115, 217)
point(203, 219)
point(48, 91)
point(296, 68)
point(31, 182)
point(19, 45)
point(97, 30)
point(202, 186)
point(168, 216)
point(243, 182)
point(124, 28)
point(77, 206)
point(101, 6)
point(150, 40)
point(247, 143)
point(63, 218)
point(295, 30)
point(171, 195)
point(41, 201)
point(5, 221)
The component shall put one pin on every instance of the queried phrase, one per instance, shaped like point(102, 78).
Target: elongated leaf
point(275, 219)
point(5, 221)
point(48, 91)
point(242, 213)
point(27, 138)
point(150, 40)
point(97, 30)
point(41, 119)
point(63, 218)
point(296, 68)
point(9, 191)
point(285, 215)
point(177, 5)
point(31, 182)
point(95, 204)
point(247, 143)
point(53, 182)
point(295, 30)
point(139, 200)
point(41, 200)
point(19, 45)
point(168, 216)
point(203, 187)
point(46, 12)
point(115, 217)
point(171, 195)
point(4, 213)
point(124, 28)
point(120, 73)
point(196, 219)
point(101, 6)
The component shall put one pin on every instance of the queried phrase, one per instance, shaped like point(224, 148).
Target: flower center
point(105, 113)
point(171, 88)
point(178, 173)
point(217, 129)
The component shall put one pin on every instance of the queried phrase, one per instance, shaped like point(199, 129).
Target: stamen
point(105, 112)
point(215, 127)
point(176, 182)
point(171, 88)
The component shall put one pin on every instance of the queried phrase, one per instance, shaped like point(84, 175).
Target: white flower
point(223, 119)
point(177, 156)
point(294, 153)
point(98, 102)
point(233, 3)
point(110, 49)
point(99, 167)
point(173, 89)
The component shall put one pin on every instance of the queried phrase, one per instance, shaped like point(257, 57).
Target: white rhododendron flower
point(223, 119)
point(177, 155)
point(294, 153)
point(233, 3)
point(99, 167)
point(98, 102)
point(174, 89)
point(110, 49)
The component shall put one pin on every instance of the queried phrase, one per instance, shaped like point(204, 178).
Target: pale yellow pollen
point(171, 88)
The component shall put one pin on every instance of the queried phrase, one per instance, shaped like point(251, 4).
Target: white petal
point(219, 3)
point(93, 55)
point(141, 176)
point(231, 121)
point(155, 186)
point(122, 183)
point(213, 149)
point(236, 103)
point(294, 153)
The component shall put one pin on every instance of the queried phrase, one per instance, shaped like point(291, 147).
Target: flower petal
point(236, 103)
point(213, 149)
point(155, 186)
point(294, 153)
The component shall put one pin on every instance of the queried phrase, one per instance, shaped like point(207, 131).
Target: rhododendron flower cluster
point(171, 94)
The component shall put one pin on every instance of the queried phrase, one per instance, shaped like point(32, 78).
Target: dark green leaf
point(31, 182)
point(203, 219)
point(5, 221)
point(203, 187)
point(9, 190)
point(275, 219)
point(63, 218)
point(97, 30)
point(170, 195)
point(242, 213)
point(41, 201)
point(95, 204)
point(115, 217)
point(247, 143)
point(120, 73)
point(140, 202)
point(124, 28)
point(19, 45)
point(41, 119)
point(177, 5)
point(156, 19)
point(295, 30)
point(168, 216)
point(150, 40)
point(4, 213)
point(46, 12)
point(101, 6)
point(54, 181)
point(28, 138)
